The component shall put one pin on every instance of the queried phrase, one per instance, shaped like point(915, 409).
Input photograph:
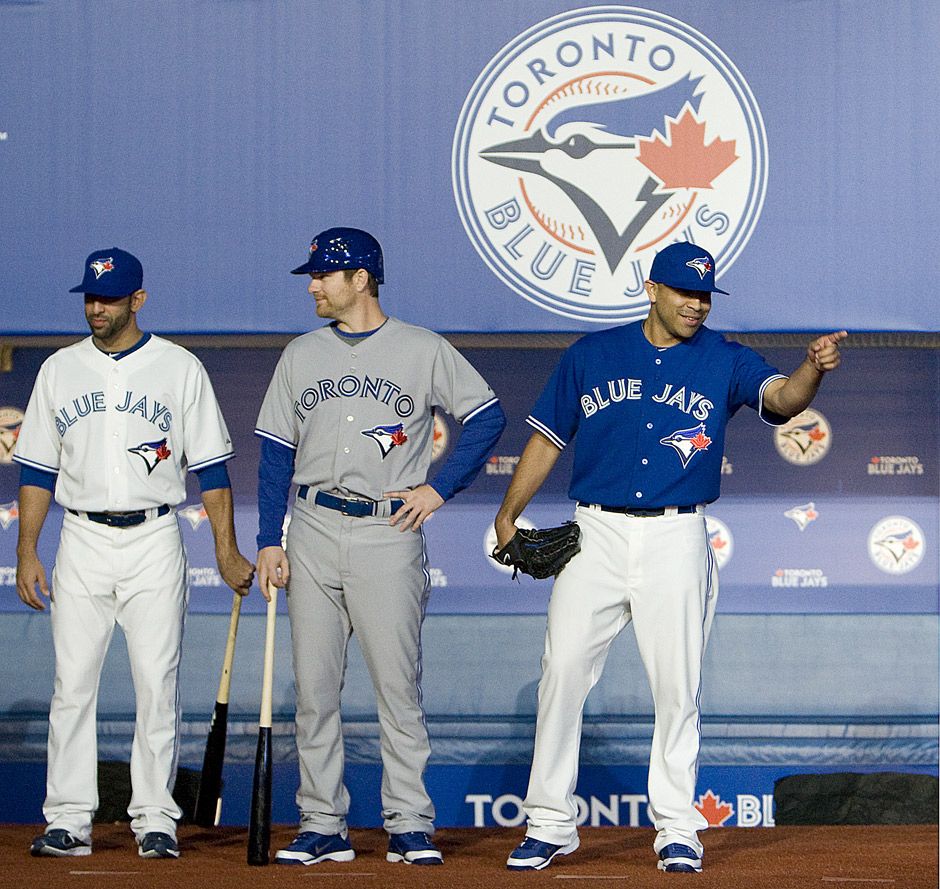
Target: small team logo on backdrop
point(439, 438)
point(387, 437)
point(896, 544)
point(101, 266)
point(11, 418)
point(720, 540)
point(152, 453)
point(805, 439)
point(803, 515)
point(9, 513)
point(195, 514)
point(489, 544)
point(593, 140)
point(687, 442)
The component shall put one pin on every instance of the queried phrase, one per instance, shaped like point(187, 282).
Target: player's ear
point(361, 280)
point(650, 290)
point(138, 298)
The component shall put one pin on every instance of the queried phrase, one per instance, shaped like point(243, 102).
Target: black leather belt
point(639, 512)
point(349, 505)
point(121, 519)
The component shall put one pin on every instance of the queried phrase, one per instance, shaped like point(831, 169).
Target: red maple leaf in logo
point(719, 543)
point(399, 437)
point(163, 452)
point(701, 441)
point(684, 160)
point(713, 809)
point(911, 543)
point(817, 434)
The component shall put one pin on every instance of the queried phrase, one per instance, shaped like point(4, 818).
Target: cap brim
point(301, 269)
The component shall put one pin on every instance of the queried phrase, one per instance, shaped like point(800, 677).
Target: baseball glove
point(540, 553)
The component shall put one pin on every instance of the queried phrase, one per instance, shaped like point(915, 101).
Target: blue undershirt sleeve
point(275, 471)
point(37, 478)
point(477, 440)
point(212, 477)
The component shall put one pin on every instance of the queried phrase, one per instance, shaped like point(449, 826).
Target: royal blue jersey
point(650, 422)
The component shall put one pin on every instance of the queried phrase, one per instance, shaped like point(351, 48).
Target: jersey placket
point(115, 442)
point(646, 440)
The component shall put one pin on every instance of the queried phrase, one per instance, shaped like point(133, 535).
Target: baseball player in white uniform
point(348, 417)
point(113, 424)
point(649, 404)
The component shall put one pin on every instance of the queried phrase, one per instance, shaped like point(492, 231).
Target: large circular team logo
point(805, 439)
point(593, 140)
point(11, 418)
point(720, 540)
point(896, 544)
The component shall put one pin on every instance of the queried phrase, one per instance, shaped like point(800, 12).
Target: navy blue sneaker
point(533, 854)
point(678, 859)
point(413, 847)
point(309, 847)
point(158, 845)
point(59, 843)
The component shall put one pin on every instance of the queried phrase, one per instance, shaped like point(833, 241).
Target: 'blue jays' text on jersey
point(650, 422)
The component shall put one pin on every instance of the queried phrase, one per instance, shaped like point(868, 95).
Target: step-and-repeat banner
point(834, 512)
point(520, 161)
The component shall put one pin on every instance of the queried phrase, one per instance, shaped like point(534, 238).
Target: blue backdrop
point(521, 162)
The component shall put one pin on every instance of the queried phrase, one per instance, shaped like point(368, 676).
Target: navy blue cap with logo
point(344, 248)
point(112, 272)
point(685, 266)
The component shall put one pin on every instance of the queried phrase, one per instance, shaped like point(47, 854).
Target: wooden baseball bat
point(209, 795)
point(259, 828)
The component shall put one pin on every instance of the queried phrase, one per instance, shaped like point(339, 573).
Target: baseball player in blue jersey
point(647, 405)
point(348, 417)
point(114, 423)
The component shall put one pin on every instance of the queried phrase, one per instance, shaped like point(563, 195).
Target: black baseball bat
point(209, 795)
point(259, 827)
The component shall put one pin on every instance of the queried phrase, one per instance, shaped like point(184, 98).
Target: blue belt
point(121, 519)
point(639, 512)
point(348, 506)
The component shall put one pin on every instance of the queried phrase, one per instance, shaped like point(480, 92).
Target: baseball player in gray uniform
point(112, 426)
point(348, 417)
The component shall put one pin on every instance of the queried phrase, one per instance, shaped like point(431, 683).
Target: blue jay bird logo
point(593, 140)
point(387, 437)
point(687, 442)
point(152, 453)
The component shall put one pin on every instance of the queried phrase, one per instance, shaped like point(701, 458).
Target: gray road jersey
point(360, 418)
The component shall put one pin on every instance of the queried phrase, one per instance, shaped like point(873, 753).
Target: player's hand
point(273, 568)
point(29, 574)
point(236, 570)
point(505, 531)
point(419, 504)
point(823, 353)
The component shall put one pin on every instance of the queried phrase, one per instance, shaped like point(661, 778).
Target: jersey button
point(659, 360)
point(345, 450)
point(638, 494)
point(649, 425)
point(644, 461)
point(349, 419)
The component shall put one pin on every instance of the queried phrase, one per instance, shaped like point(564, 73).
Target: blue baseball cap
point(685, 266)
point(344, 248)
point(111, 272)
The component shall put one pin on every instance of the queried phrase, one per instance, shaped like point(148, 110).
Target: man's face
point(333, 292)
point(107, 316)
point(677, 314)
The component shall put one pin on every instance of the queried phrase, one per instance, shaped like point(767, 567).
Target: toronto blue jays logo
point(805, 439)
point(896, 544)
point(387, 437)
point(100, 266)
point(195, 514)
point(152, 453)
point(688, 442)
point(803, 515)
point(593, 140)
point(701, 265)
point(9, 513)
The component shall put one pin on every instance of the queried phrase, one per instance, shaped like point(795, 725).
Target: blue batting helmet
point(344, 248)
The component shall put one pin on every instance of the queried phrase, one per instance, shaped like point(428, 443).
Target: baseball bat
point(209, 795)
point(259, 827)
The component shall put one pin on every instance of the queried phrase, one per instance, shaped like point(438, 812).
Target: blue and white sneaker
point(533, 854)
point(413, 847)
point(309, 847)
point(158, 845)
point(59, 843)
point(678, 859)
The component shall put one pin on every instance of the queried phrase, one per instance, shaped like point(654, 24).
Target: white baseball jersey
point(122, 434)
